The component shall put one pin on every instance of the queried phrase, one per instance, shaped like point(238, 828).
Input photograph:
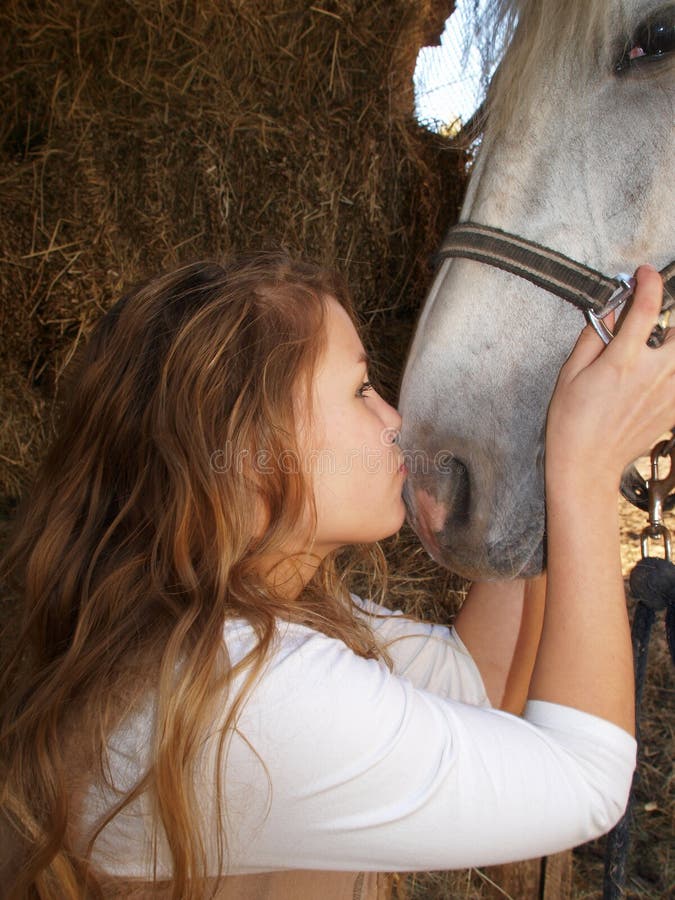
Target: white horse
point(577, 156)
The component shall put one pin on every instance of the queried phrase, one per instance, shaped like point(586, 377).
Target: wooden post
point(548, 878)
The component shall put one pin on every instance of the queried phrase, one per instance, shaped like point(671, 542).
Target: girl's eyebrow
point(363, 358)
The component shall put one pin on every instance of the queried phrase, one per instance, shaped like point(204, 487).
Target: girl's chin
point(378, 529)
point(396, 524)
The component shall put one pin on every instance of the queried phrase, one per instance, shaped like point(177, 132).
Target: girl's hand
point(612, 403)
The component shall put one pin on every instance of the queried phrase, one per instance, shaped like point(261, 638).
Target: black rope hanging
point(652, 585)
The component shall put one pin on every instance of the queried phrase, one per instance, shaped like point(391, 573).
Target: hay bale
point(138, 135)
point(135, 136)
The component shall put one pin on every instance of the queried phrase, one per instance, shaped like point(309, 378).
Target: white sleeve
point(432, 656)
point(339, 764)
point(367, 772)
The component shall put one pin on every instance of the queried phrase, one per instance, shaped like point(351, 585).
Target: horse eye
point(652, 40)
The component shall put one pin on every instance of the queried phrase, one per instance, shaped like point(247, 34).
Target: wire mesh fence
point(451, 79)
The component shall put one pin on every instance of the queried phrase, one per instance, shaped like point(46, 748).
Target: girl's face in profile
point(356, 468)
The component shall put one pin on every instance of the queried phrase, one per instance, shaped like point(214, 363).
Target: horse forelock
point(542, 36)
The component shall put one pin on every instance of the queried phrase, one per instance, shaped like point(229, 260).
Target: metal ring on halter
point(618, 298)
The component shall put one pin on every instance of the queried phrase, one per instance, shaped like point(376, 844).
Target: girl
point(204, 709)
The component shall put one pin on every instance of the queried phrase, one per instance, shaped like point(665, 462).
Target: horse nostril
point(456, 487)
point(449, 464)
point(445, 462)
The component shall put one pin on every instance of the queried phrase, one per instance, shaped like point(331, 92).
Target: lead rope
point(652, 585)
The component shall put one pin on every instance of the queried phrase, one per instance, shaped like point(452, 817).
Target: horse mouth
point(510, 561)
point(512, 553)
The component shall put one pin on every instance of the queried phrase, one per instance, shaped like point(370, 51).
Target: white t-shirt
point(379, 771)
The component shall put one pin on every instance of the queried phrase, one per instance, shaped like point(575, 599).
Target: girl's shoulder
point(292, 638)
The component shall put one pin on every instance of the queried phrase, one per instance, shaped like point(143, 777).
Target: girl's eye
point(363, 390)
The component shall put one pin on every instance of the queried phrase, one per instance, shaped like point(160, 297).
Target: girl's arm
point(585, 656)
point(608, 407)
point(500, 623)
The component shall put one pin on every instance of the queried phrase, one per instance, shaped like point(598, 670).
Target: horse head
point(577, 155)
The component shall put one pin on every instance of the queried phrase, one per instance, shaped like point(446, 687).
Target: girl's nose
point(392, 421)
point(397, 420)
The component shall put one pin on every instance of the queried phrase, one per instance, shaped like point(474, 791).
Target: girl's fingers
point(587, 349)
point(635, 328)
point(641, 318)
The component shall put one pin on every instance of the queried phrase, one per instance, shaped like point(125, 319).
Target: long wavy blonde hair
point(133, 549)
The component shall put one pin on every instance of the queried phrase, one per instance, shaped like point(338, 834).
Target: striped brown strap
point(575, 282)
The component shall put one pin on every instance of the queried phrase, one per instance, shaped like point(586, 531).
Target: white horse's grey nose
point(464, 519)
point(439, 501)
point(428, 518)
point(457, 489)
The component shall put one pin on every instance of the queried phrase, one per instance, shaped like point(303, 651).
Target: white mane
point(547, 34)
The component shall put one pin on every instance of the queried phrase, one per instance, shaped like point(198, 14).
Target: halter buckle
point(623, 292)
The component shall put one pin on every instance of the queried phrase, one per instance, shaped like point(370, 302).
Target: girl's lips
point(403, 469)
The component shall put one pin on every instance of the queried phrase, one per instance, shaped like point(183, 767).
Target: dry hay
point(134, 136)
point(139, 134)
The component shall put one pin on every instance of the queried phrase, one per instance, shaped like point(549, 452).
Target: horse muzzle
point(468, 523)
